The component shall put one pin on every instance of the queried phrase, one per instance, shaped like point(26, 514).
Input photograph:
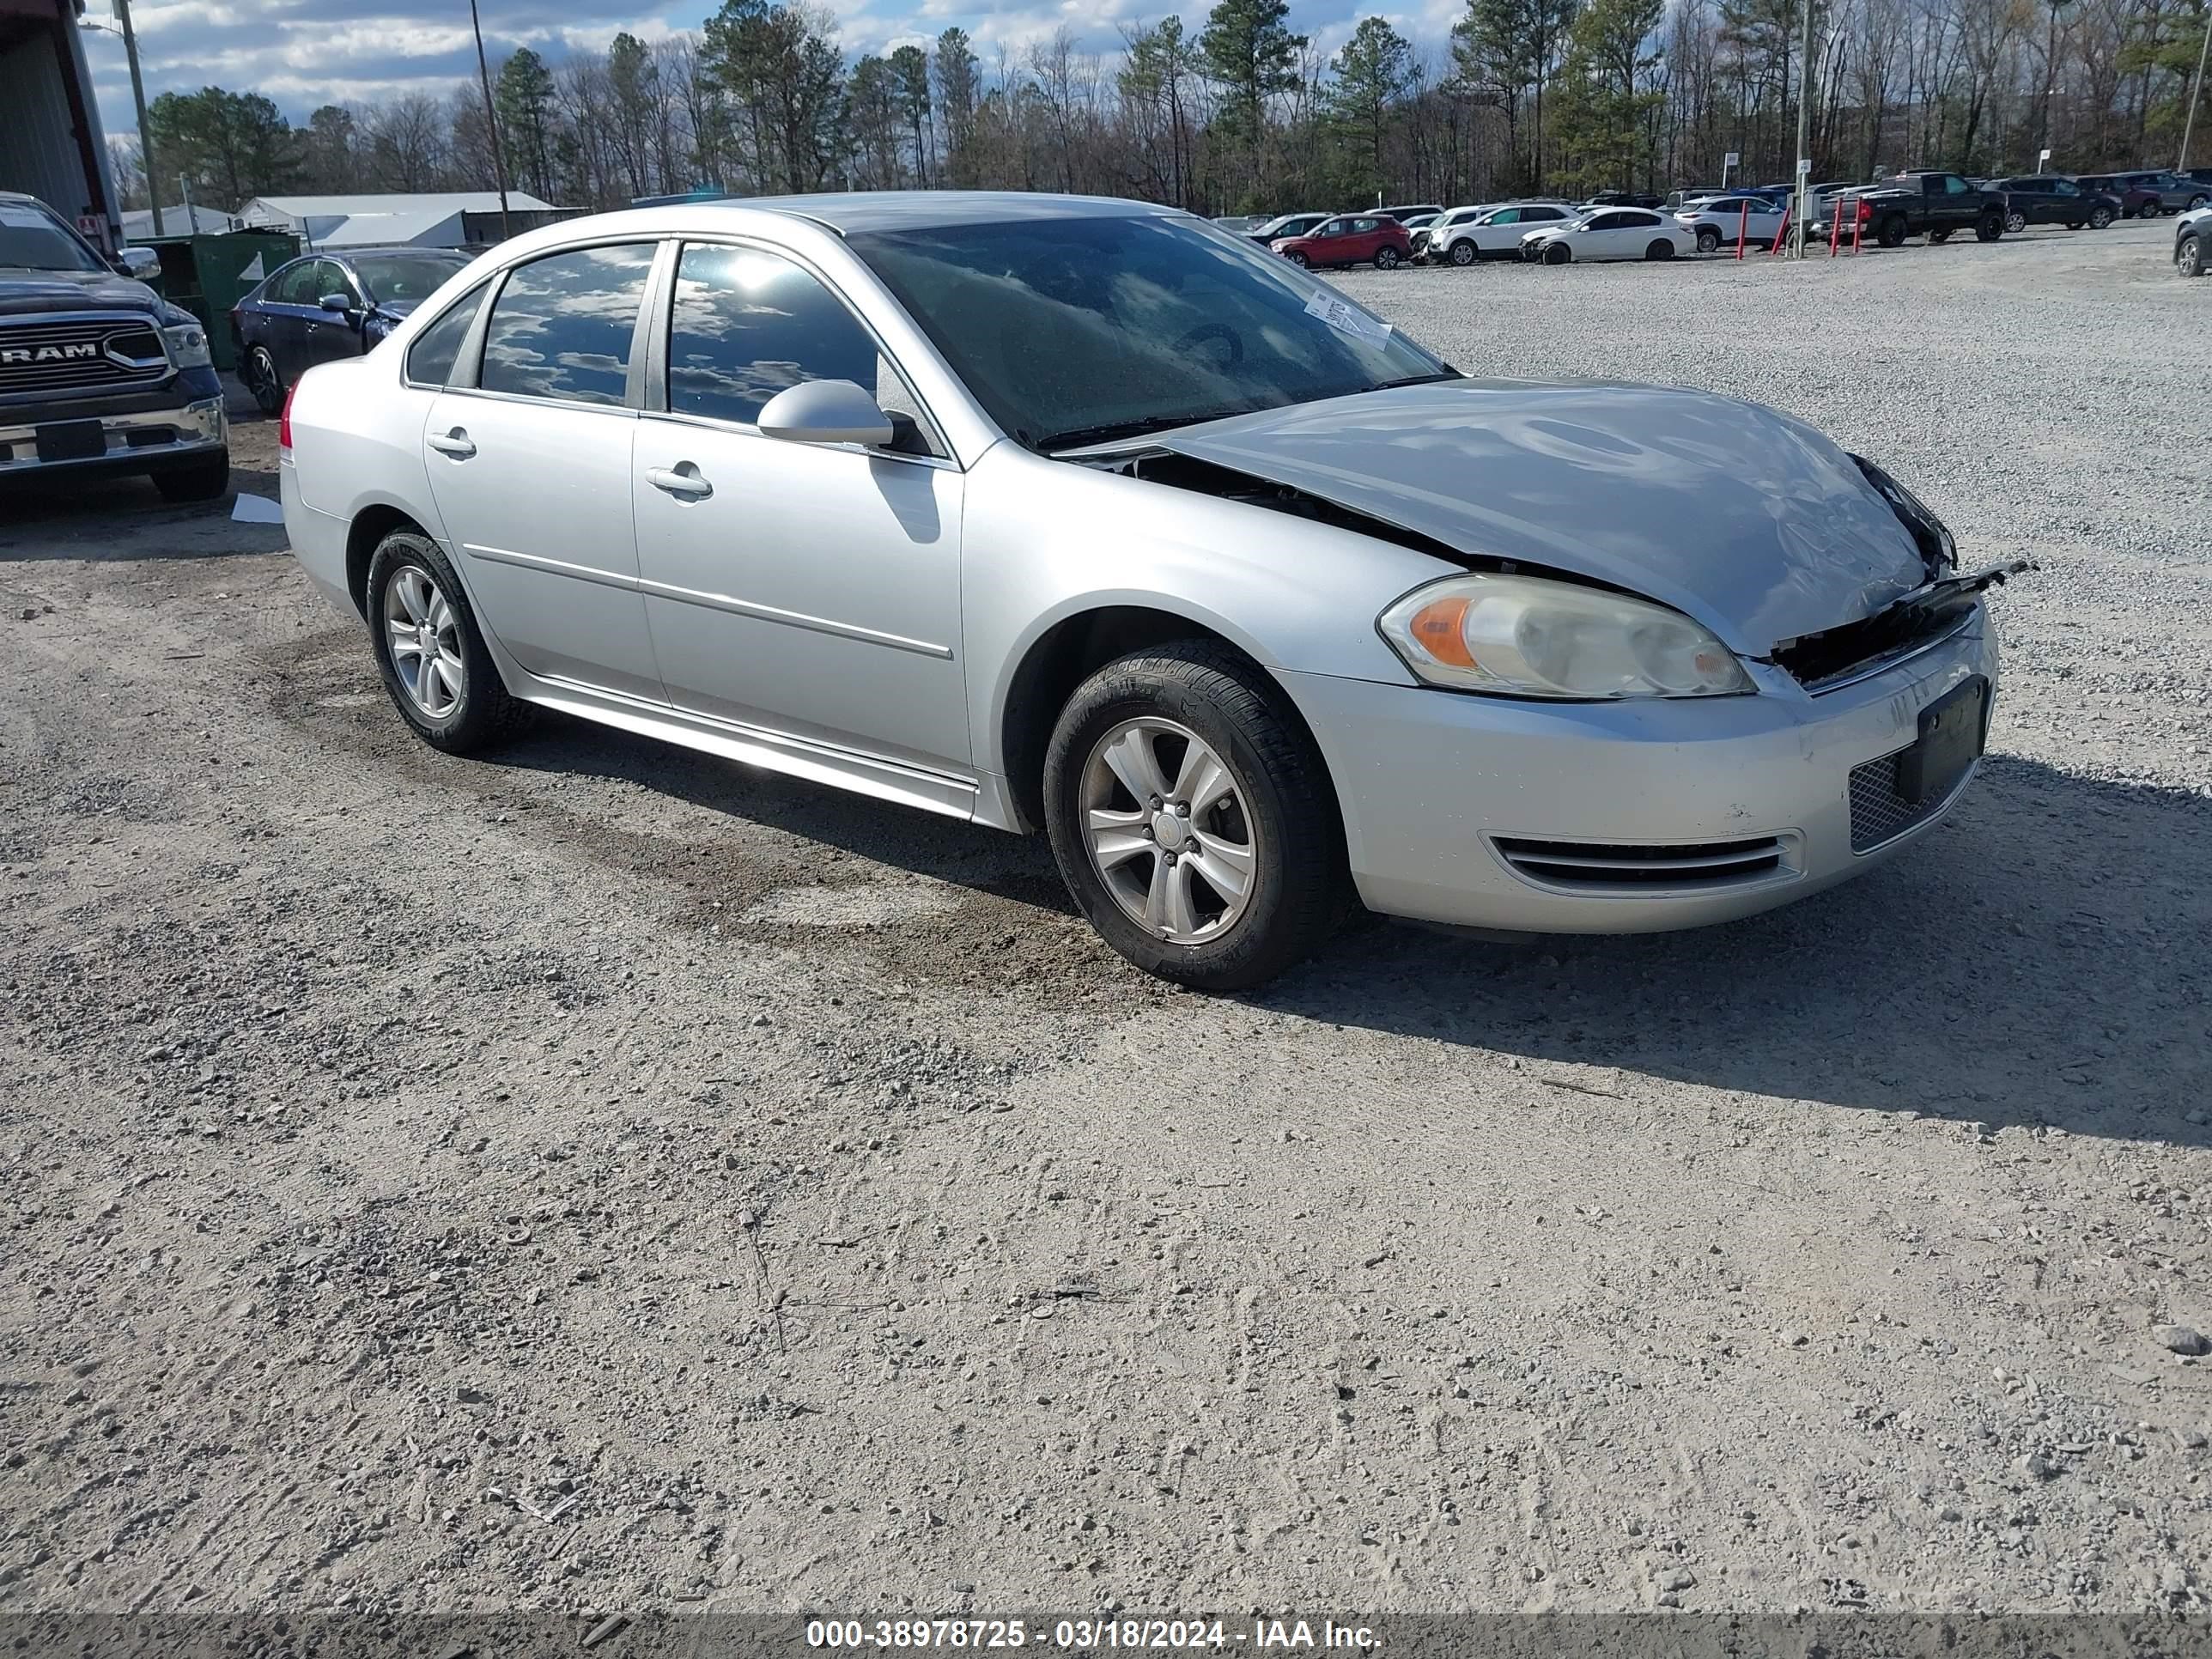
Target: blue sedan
point(326, 305)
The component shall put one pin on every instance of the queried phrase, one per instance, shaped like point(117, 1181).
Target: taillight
point(1866, 211)
point(285, 420)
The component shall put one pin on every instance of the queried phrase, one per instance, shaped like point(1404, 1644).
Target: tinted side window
point(430, 359)
point(561, 325)
point(747, 323)
point(1954, 186)
point(292, 285)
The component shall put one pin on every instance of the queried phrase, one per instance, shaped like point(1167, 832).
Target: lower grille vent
point(1619, 868)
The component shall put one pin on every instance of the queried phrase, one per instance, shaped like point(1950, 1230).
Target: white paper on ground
point(1348, 319)
point(256, 509)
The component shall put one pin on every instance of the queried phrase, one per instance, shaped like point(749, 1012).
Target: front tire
point(2014, 223)
point(1990, 227)
point(1192, 818)
point(1299, 259)
point(435, 665)
point(2197, 201)
point(2100, 218)
point(206, 479)
point(1557, 253)
point(1462, 254)
point(2189, 256)
point(1937, 238)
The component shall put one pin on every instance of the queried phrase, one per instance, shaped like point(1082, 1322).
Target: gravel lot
point(598, 1177)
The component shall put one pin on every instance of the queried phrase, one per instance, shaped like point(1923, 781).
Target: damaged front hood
point(1747, 519)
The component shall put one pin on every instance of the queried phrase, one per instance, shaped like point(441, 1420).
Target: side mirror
point(142, 263)
point(335, 302)
point(826, 412)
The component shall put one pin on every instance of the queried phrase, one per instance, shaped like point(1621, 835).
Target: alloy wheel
point(2015, 223)
point(1462, 253)
point(1168, 830)
point(424, 636)
point(260, 378)
point(2188, 260)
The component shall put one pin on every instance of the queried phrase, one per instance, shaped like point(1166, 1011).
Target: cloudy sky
point(307, 52)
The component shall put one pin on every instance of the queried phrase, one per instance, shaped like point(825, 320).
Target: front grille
point(1879, 813)
point(1612, 867)
point(80, 354)
point(1818, 661)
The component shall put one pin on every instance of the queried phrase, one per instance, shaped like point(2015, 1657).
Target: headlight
point(1525, 636)
point(188, 345)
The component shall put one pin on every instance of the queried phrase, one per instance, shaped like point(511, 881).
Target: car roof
point(343, 253)
point(860, 211)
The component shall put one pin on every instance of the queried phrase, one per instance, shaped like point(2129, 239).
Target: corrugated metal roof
point(381, 229)
point(203, 221)
point(346, 207)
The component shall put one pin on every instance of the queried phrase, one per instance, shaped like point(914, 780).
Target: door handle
point(677, 481)
point(456, 443)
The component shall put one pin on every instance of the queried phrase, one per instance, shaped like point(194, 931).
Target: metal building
point(51, 142)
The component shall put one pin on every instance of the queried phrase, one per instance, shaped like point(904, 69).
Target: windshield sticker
point(1348, 319)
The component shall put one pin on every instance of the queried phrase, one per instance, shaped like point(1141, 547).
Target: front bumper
point(1443, 794)
point(137, 439)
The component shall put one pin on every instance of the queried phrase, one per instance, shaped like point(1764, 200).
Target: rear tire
point(206, 479)
point(1892, 232)
point(481, 711)
point(1276, 814)
point(2189, 256)
point(2100, 218)
point(1659, 248)
point(1462, 253)
point(258, 371)
point(1937, 238)
point(1709, 240)
point(2014, 223)
point(1386, 258)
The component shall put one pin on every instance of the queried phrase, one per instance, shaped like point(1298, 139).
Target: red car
point(1351, 241)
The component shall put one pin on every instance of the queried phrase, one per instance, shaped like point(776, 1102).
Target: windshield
point(30, 240)
point(399, 278)
point(1079, 331)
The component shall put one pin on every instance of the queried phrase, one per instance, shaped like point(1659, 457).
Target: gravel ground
point(598, 1177)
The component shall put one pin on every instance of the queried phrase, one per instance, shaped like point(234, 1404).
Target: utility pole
point(2195, 90)
point(2050, 77)
point(1802, 200)
point(491, 124)
point(145, 135)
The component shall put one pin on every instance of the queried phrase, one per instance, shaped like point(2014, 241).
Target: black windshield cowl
point(1083, 437)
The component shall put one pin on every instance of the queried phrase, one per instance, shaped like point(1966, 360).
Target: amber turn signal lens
point(1436, 627)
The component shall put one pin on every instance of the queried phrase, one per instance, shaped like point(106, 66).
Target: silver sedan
point(1085, 517)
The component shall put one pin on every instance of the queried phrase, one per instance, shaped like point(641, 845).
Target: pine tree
point(1371, 72)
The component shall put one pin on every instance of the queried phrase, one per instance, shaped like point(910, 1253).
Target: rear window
point(430, 359)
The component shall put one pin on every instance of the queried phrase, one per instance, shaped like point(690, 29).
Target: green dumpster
point(208, 275)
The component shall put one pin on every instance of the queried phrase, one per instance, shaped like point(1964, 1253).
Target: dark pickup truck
point(98, 374)
point(1919, 204)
